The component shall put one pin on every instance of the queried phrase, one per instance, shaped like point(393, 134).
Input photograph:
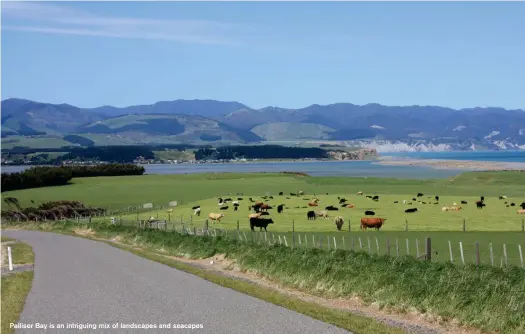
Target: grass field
point(15, 287)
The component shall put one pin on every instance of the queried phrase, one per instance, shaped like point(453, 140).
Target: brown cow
point(368, 222)
point(521, 212)
point(313, 204)
point(350, 206)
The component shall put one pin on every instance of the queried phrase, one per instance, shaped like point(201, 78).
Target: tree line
point(260, 152)
point(36, 177)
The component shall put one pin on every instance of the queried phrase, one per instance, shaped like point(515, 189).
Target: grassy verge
point(15, 287)
point(491, 299)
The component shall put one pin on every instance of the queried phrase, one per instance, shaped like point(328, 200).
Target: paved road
point(88, 282)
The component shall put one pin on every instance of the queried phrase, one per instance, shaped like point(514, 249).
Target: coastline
point(467, 165)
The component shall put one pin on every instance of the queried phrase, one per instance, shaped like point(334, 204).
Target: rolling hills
point(217, 122)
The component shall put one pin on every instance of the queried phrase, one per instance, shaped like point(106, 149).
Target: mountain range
point(217, 122)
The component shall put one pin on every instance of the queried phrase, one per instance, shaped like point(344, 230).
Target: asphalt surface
point(80, 281)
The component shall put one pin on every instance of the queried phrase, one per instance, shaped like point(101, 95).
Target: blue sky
point(265, 54)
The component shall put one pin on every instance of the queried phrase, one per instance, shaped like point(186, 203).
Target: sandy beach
point(452, 164)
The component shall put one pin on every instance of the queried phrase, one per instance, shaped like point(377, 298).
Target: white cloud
point(55, 19)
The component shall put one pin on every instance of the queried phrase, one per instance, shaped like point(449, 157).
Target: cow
point(344, 205)
point(339, 222)
point(216, 216)
point(437, 198)
point(228, 200)
point(359, 193)
point(411, 210)
point(235, 207)
point(224, 208)
point(375, 198)
point(414, 199)
point(260, 222)
point(342, 200)
point(254, 215)
point(239, 198)
point(195, 207)
point(445, 208)
point(197, 211)
point(300, 193)
point(419, 194)
point(482, 198)
point(464, 202)
point(292, 194)
point(512, 204)
point(521, 212)
point(369, 213)
point(310, 215)
point(404, 201)
point(368, 196)
point(331, 208)
point(265, 213)
point(265, 207)
point(280, 193)
point(350, 206)
point(480, 204)
point(323, 214)
point(280, 208)
point(271, 197)
point(367, 222)
point(456, 208)
point(313, 204)
point(395, 202)
point(522, 205)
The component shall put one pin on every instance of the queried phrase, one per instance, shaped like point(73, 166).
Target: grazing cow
point(396, 202)
point(301, 193)
point(512, 204)
point(522, 205)
point(323, 214)
point(271, 197)
point(456, 208)
point(369, 213)
point(367, 222)
point(437, 198)
point(292, 194)
point(411, 210)
point(464, 202)
point(235, 202)
point(375, 198)
point(313, 204)
point(344, 205)
point(350, 206)
point(251, 199)
point(235, 207)
point(445, 208)
point(220, 200)
point(265, 213)
point(331, 208)
point(260, 222)
point(368, 196)
point(287, 197)
point(482, 198)
point(339, 222)
point(280, 193)
point(239, 199)
point(280, 208)
point(404, 201)
point(265, 207)
point(254, 215)
point(419, 194)
point(216, 217)
point(480, 204)
point(224, 208)
point(195, 207)
point(342, 200)
point(359, 193)
point(521, 212)
point(197, 211)
point(310, 215)
point(228, 200)
point(414, 199)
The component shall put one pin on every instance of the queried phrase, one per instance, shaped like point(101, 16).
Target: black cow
point(522, 205)
point(396, 201)
point(271, 197)
point(369, 213)
point(367, 196)
point(342, 200)
point(482, 198)
point(331, 208)
point(224, 208)
point(464, 202)
point(414, 199)
point(228, 200)
point(235, 207)
point(251, 200)
point(260, 222)
point(280, 208)
point(239, 199)
point(310, 215)
point(437, 198)
point(419, 194)
point(292, 194)
point(195, 207)
point(411, 210)
point(375, 198)
point(280, 193)
point(480, 204)
point(512, 204)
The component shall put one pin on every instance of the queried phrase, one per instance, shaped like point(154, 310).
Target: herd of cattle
point(259, 209)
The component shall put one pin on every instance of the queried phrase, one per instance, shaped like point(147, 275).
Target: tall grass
point(488, 298)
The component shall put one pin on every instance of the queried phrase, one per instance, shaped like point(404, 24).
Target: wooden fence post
point(369, 246)
point(464, 224)
point(417, 247)
point(408, 249)
point(335, 244)
point(505, 254)
point(406, 224)
point(293, 233)
point(377, 244)
point(450, 251)
point(429, 249)
point(349, 228)
point(521, 255)
point(477, 254)
point(360, 243)
point(491, 255)
point(237, 226)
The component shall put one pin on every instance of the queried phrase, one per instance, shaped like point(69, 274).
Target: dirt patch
point(87, 232)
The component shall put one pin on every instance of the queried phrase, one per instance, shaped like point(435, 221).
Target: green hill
point(292, 131)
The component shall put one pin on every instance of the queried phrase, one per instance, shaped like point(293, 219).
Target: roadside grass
point(491, 299)
point(16, 286)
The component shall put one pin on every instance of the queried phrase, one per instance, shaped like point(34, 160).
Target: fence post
point(360, 243)
point(237, 226)
point(335, 244)
point(477, 254)
point(491, 255)
point(429, 249)
point(349, 228)
point(206, 225)
point(10, 258)
point(523, 225)
point(369, 246)
point(450, 251)
point(461, 250)
point(377, 244)
point(521, 255)
point(505, 254)
point(417, 247)
point(464, 224)
point(406, 225)
point(408, 249)
point(293, 233)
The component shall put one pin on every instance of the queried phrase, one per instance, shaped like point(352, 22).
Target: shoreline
point(467, 165)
